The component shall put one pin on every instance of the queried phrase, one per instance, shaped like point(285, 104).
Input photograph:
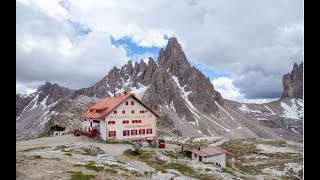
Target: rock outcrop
point(293, 82)
point(35, 110)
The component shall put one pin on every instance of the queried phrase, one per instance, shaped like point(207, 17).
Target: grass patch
point(162, 170)
point(207, 169)
point(184, 169)
point(19, 161)
point(207, 162)
point(34, 148)
point(90, 166)
point(170, 154)
point(63, 150)
point(62, 147)
point(80, 176)
point(127, 153)
point(112, 165)
point(149, 157)
point(118, 142)
point(124, 169)
point(68, 154)
point(120, 162)
point(37, 157)
point(111, 171)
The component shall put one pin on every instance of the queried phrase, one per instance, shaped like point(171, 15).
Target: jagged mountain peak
point(293, 82)
point(173, 57)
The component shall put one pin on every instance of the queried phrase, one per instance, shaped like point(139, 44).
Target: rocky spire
point(173, 58)
point(293, 82)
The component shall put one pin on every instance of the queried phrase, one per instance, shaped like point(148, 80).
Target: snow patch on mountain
point(295, 111)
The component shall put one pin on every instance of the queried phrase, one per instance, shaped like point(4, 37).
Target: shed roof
point(105, 106)
point(208, 151)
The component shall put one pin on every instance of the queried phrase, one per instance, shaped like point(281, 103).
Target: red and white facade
point(122, 117)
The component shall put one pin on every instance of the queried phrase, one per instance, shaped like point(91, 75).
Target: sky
point(244, 47)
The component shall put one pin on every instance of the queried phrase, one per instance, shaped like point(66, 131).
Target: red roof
point(106, 105)
point(208, 151)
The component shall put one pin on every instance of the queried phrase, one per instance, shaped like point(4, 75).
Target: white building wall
point(57, 133)
point(219, 158)
point(148, 120)
point(88, 124)
point(103, 130)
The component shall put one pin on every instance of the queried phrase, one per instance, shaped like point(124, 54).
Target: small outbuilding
point(211, 154)
point(56, 130)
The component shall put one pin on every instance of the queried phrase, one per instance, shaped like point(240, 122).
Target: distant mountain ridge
point(186, 98)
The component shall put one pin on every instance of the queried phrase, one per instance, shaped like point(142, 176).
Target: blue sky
point(133, 49)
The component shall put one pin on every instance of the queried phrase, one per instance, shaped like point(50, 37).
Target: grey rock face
point(293, 82)
point(34, 111)
point(21, 102)
point(52, 92)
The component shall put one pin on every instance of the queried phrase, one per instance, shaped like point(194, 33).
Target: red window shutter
point(123, 133)
point(123, 112)
point(115, 133)
point(127, 103)
point(128, 133)
point(132, 102)
point(151, 131)
point(115, 112)
point(139, 121)
point(132, 112)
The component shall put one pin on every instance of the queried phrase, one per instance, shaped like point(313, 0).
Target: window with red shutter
point(112, 133)
point(114, 112)
point(111, 122)
point(134, 132)
point(141, 131)
point(127, 103)
point(142, 112)
point(139, 121)
point(96, 121)
point(149, 131)
point(132, 112)
point(132, 102)
point(126, 133)
point(123, 112)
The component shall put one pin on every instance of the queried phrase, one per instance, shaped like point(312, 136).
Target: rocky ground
point(69, 157)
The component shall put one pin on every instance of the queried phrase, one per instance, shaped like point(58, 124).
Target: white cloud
point(247, 39)
point(46, 52)
point(227, 90)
